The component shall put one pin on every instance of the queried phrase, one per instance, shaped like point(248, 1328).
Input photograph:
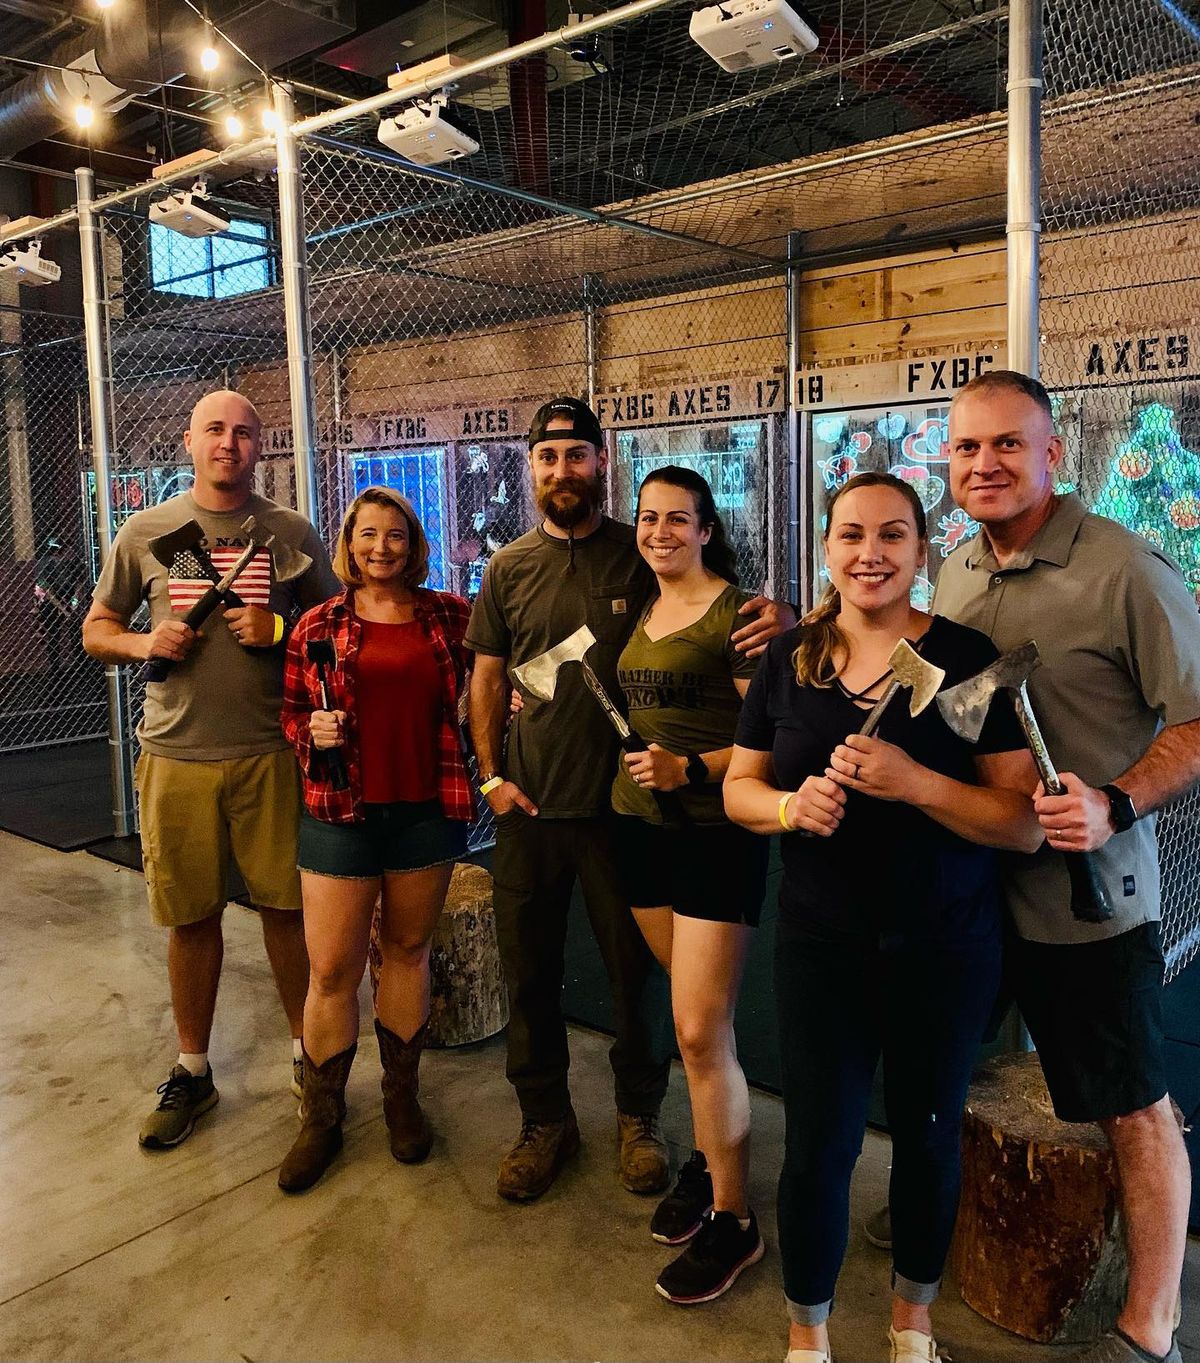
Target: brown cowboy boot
point(408, 1131)
point(322, 1112)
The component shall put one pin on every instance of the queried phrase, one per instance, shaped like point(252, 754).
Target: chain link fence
point(51, 693)
point(1120, 299)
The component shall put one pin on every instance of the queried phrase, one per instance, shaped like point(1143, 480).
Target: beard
point(570, 502)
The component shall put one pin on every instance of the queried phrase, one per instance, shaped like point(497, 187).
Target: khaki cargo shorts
point(195, 814)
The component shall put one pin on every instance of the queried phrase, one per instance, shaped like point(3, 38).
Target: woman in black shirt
point(889, 925)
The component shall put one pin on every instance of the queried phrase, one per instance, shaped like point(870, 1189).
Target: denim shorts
point(390, 838)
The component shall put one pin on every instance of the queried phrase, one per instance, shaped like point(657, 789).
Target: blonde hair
point(824, 649)
point(416, 570)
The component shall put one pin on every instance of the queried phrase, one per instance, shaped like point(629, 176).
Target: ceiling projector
point(26, 265)
point(422, 135)
point(746, 33)
point(184, 212)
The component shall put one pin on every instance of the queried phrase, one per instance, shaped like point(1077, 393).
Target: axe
point(539, 677)
point(322, 654)
point(260, 538)
point(911, 670)
point(189, 538)
point(964, 708)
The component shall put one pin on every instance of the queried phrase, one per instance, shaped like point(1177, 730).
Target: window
point(418, 475)
point(212, 267)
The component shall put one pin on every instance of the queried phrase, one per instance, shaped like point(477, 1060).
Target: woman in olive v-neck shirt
point(888, 937)
point(694, 880)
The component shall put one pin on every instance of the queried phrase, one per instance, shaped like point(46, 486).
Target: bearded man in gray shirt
point(1118, 696)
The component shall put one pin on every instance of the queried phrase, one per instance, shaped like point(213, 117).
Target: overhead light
point(741, 34)
point(26, 266)
point(234, 127)
point(84, 113)
point(105, 4)
point(210, 58)
point(422, 135)
point(270, 119)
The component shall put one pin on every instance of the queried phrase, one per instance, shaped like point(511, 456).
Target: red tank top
point(398, 695)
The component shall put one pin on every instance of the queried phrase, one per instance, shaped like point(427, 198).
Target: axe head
point(922, 678)
point(165, 547)
point(539, 676)
point(321, 652)
point(964, 707)
point(288, 563)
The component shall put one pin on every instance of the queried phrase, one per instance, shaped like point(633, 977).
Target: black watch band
point(1124, 815)
point(697, 772)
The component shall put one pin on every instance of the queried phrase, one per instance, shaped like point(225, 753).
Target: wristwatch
point(697, 772)
point(1124, 815)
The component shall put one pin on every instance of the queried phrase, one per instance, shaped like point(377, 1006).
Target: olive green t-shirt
point(223, 700)
point(680, 694)
point(536, 591)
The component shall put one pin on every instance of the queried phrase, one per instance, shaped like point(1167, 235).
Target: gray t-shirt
point(1119, 638)
point(223, 700)
point(536, 591)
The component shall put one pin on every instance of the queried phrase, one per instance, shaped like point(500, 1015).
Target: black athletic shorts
point(1094, 1011)
point(714, 871)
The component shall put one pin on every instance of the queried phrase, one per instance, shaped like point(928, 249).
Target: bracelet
point(490, 784)
point(277, 632)
point(783, 804)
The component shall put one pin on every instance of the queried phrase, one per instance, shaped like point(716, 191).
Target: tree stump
point(1038, 1247)
point(468, 1000)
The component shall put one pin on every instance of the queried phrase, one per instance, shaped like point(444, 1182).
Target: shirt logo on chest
point(187, 580)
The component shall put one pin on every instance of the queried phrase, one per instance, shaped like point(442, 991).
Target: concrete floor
point(109, 1252)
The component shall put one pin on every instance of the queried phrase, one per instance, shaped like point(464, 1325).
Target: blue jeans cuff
point(919, 1294)
point(808, 1315)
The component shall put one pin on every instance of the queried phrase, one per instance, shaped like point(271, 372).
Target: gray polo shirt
point(1119, 636)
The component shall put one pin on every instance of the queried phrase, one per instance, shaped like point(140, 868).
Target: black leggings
point(840, 1005)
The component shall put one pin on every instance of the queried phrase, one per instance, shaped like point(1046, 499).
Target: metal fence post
point(799, 588)
point(1024, 181)
point(120, 741)
point(293, 267)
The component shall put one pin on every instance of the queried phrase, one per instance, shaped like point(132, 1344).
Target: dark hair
point(1010, 381)
point(823, 648)
point(717, 555)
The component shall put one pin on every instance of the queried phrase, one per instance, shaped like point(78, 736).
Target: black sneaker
point(678, 1216)
point(711, 1263)
point(184, 1098)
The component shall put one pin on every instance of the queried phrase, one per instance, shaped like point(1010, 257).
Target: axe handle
point(157, 669)
point(1090, 902)
point(871, 723)
point(334, 759)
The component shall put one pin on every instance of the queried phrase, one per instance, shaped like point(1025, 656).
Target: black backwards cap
point(585, 425)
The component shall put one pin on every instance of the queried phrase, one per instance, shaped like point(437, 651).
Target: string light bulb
point(105, 4)
point(210, 58)
point(85, 114)
point(234, 127)
point(270, 119)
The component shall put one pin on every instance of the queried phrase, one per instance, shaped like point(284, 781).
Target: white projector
point(183, 212)
point(746, 33)
point(422, 135)
point(26, 265)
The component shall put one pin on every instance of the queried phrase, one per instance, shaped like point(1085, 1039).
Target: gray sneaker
point(184, 1098)
point(1114, 1347)
point(878, 1227)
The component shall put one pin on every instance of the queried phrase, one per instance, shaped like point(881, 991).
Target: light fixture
point(270, 119)
point(210, 58)
point(105, 4)
point(85, 114)
point(234, 127)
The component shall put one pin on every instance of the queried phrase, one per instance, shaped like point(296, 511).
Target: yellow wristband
point(783, 804)
point(489, 786)
point(277, 633)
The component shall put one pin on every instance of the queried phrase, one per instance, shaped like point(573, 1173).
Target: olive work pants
point(535, 866)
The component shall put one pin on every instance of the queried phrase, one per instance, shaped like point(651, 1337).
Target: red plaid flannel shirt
point(444, 617)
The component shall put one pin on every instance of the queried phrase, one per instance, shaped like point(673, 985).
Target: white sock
point(196, 1063)
point(297, 1048)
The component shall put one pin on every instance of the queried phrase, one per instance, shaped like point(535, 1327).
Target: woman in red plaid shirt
point(387, 803)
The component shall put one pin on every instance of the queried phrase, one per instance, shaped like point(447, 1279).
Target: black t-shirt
point(889, 871)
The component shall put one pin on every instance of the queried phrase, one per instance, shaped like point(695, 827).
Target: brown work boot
point(645, 1164)
point(532, 1165)
point(408, 1131)
point(322, 1111)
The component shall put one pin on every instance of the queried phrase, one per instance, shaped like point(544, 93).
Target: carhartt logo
point(619, 606)
point(1129, 885)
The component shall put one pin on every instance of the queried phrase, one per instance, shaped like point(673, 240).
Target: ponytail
point(823, 648)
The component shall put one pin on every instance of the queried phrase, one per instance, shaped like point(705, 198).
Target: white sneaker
point(808, 1356)
point(912, 1346)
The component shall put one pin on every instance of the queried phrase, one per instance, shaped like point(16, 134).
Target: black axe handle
point(1090, 902)
point(333, 758)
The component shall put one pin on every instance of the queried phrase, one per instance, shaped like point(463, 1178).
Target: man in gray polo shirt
point(1118, 696)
